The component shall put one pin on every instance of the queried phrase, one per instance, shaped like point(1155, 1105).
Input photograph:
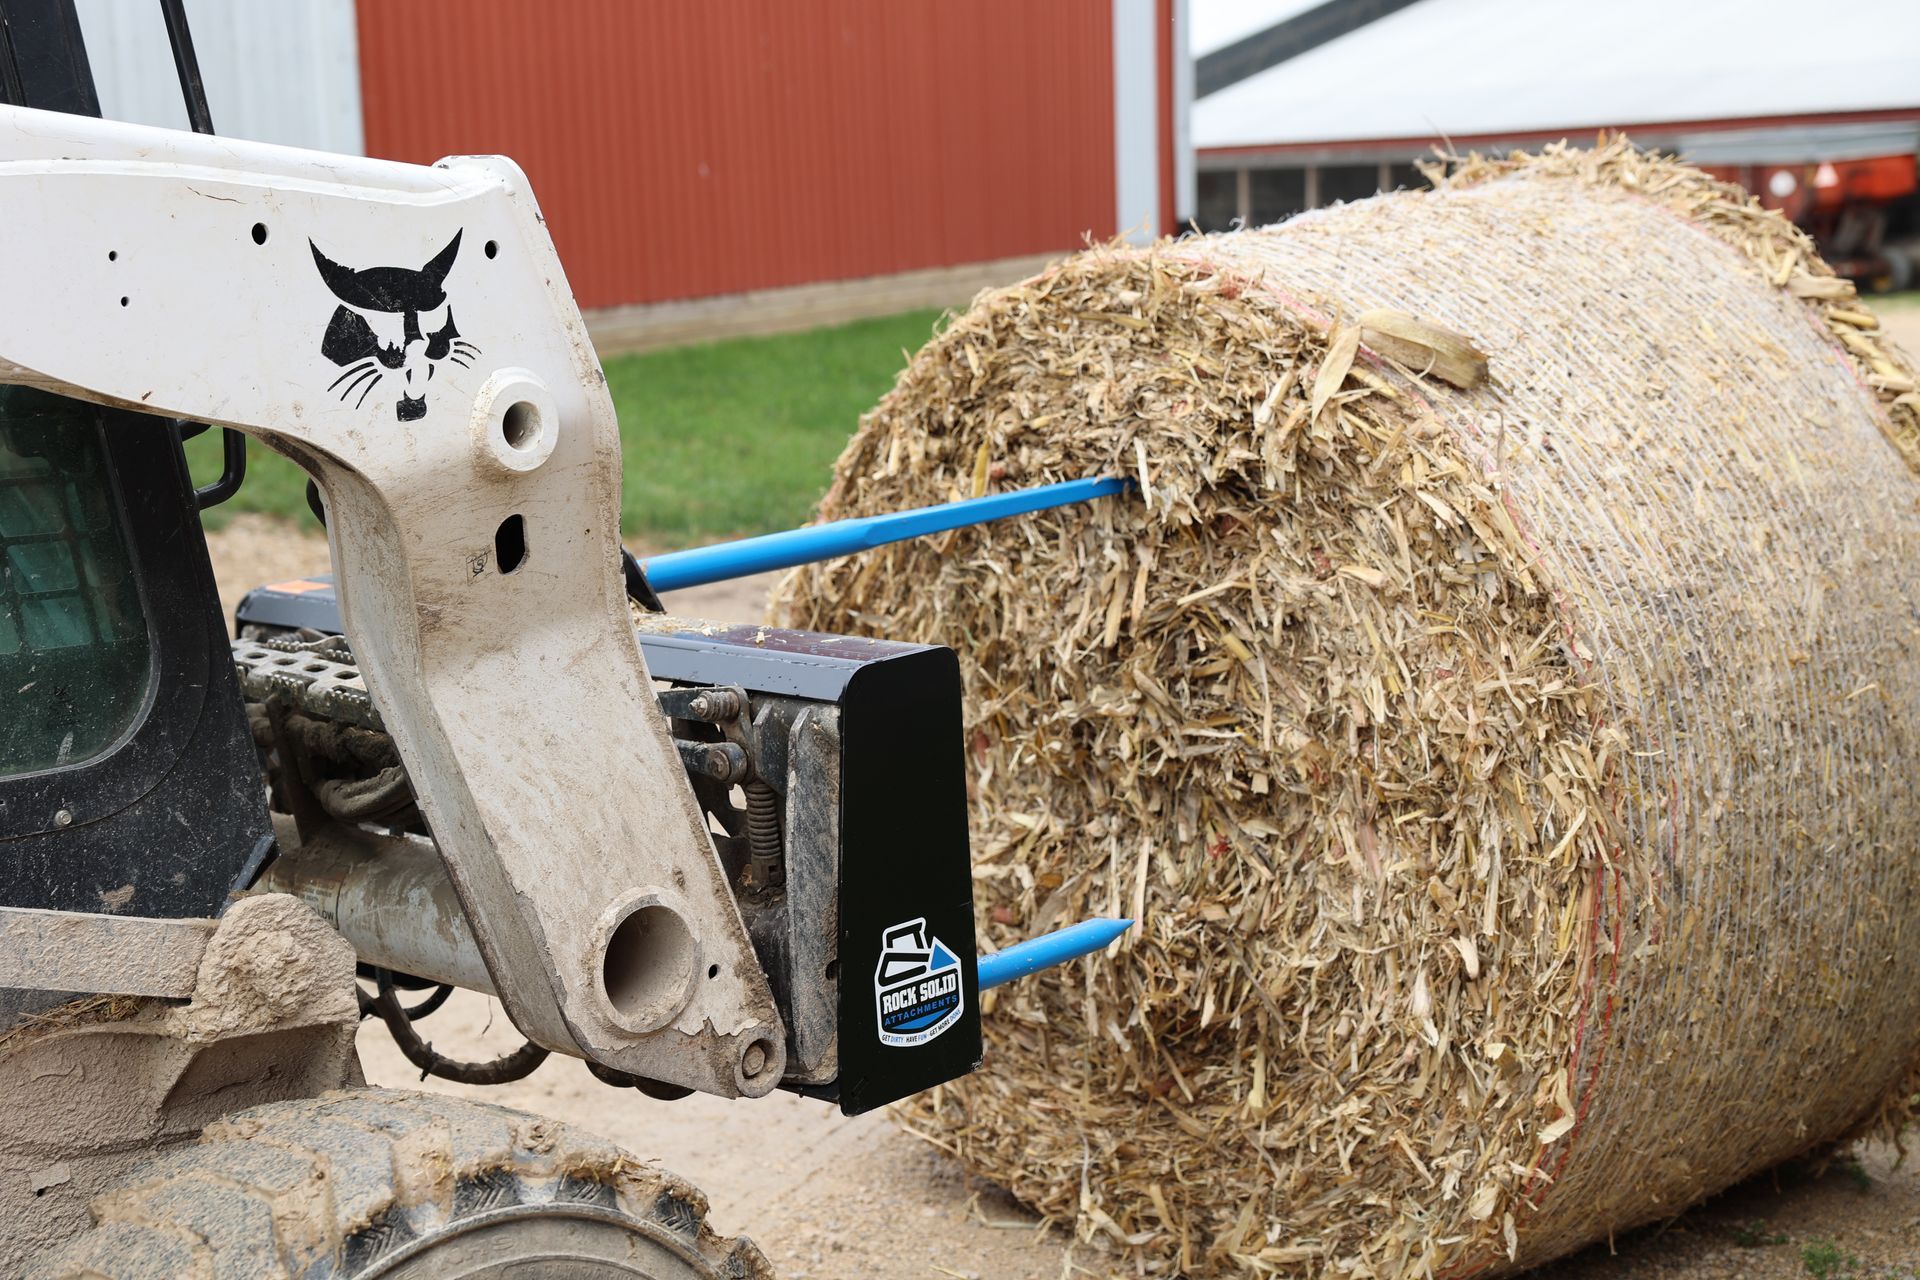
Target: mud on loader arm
point(406, 335)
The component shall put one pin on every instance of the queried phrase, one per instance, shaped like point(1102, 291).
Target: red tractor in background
point(1864, 212)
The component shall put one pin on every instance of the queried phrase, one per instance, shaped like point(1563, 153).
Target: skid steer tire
point(381, 1183)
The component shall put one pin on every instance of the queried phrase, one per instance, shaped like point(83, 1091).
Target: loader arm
point(407, 336)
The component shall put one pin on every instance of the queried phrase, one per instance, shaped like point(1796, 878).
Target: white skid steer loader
point(694, 858)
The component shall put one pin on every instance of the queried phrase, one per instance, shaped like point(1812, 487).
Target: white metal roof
point(1463, 68)
point(1215, 24)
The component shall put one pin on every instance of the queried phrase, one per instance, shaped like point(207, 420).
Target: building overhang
point(1787, 139)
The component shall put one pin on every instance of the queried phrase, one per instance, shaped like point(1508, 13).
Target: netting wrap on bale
point(1511, 766)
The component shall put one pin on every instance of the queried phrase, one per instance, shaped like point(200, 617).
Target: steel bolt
point(753, 1061)
point(716, 704)
point(64, 818)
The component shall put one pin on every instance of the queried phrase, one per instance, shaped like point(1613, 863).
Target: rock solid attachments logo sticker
point(916, 988)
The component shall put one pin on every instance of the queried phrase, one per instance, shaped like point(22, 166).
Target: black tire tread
point(326, 1186)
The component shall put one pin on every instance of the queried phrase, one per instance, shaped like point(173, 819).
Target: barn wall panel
point(687, 150)
point(285, 72)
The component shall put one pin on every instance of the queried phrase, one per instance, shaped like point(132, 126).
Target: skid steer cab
point(693, 856)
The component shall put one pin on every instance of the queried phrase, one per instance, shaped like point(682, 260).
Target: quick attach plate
point(904, 960)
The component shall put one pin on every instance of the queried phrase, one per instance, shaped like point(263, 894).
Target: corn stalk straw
point(1499, 708)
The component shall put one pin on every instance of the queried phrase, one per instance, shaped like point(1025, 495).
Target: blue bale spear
point(675, 570)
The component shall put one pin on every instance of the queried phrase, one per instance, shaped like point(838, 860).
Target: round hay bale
point(1511, 770)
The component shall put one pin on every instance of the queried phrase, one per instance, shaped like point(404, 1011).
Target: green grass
point(273, 485)
point(718, 439)
point(1824, 1260)
point(740, 436)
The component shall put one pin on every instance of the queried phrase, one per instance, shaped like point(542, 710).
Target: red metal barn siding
point(1165, 30)
point(684, 150)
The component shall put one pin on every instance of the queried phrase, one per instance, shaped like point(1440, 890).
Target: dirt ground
point(831, 1198)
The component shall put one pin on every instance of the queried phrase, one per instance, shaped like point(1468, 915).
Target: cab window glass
point(75, 660)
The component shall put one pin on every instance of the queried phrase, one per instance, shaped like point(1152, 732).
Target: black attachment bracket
point(192, 88)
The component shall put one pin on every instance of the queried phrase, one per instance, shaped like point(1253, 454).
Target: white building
point(1333, 101)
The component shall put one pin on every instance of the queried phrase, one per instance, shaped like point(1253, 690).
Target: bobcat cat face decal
point(392, 320)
